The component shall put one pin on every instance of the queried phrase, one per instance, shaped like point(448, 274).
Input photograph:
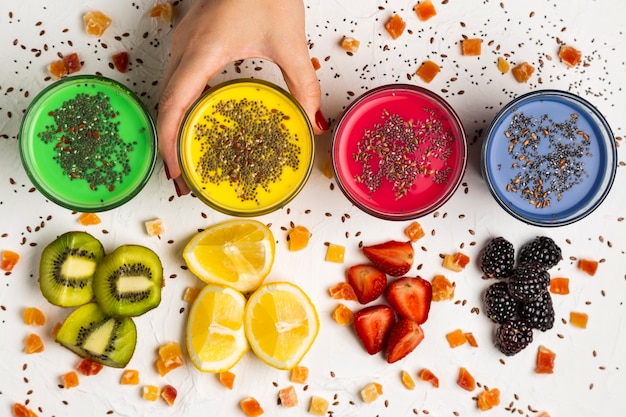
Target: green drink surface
point(81, 156)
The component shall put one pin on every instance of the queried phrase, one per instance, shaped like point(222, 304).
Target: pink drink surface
point(429, 119)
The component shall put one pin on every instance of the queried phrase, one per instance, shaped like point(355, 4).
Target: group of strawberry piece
point(394, 326)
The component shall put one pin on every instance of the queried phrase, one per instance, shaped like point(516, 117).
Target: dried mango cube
point(89, 219)
point(559, 285)
point(9, 260)
point(456, 338)
point(455, 262)
point(442, 288)
point(578, 319)
point(488, 399)
point(503, 65)
point(72, 63)
point(88, 367)
point(34, 317)
point(251, 407)
point(407, 380)
point(70, 379)
point(465, 380)
point(414, 231)
point(342, 291)
point(425, 10)
point(371, 392)
point(471, 340)
point(427, 376)
point(351, 45)
point(343, 315)
point(227, 379)
point(57, 69)
point(151, 392)
point(545, 360)
point(121, 61)
point(96, 23)
point(299, 374)
point(154, 227)
point(130, 377)
point(523, 71)
point(163, 11)
point(395, 26)
point(428, 71)
point(190, 294)
point(318, 406)
point(589, 266)
point(288, 397)
point(471, 46)
point(20, 410)
point(335, 253)
point(298, 238)
point(570, 55)
point(33, 344)
point(170, 357)
point(169, 393)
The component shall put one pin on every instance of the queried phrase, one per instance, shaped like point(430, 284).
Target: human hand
point(215, 33)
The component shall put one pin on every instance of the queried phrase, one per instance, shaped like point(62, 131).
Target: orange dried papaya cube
point(455, 262)
point(428, 71)
point(559, 285)
point(33, 344)
point(151, 393)
point(58, 69)
point(20, 410)
point(471, 340)
point(288, 397)
point(442, 288)
point(407, 380)
point(251, 407)
point(456, 338)
point(70, 379)
point(578, 319)
point(121, 61)
point(351, 45)
point(88, 367)
point(570, 55)
point(335, 253)
point(488, 399)
point(503, 65)
point(89, 219)
point(318, 406)
point(371, 392)
point(130, 377)
point(426, 375)
point(343, 315)
point(545, 360)
point(72, 63)
point(227, 379)
point(425, 10)
point(522, 72)
point(589, 266)
point(169, 394)
point(342, 291)
point(163, 11)
point(471, 46)
point(154, 227)
point(414, 231)
point(170, 357)
point(34, 317)
point(299, 374)
point(96, 23)
point(395, 26)
point(465, 380)
point(298, 238)
point(9, 260)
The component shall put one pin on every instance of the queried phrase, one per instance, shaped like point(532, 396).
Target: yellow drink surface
point(246, 148)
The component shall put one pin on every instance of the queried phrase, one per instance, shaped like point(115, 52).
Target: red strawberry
point(404, 336)
point(372, 326)
point(410, 298)
point(392, 257)
point(367, 281)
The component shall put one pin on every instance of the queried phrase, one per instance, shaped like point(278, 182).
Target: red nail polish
point(167, 171)
point(177, 188)
point(321, 121)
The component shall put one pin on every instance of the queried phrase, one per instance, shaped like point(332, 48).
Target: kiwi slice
point(90, 333)
point(67, 267)
point(128, 281)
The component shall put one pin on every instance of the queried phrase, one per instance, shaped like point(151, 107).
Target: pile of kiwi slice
point(108, 289)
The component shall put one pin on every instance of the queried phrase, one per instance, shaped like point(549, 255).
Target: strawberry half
point(410, 298)
point(393, 258)
point(367, 281)
point(404, 337)
point(372, 326)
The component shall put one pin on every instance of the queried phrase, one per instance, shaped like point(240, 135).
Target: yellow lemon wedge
point(280, 323)
point(215, 336)
point(237, 253)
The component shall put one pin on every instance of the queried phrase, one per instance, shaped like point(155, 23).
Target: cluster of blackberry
point(519, 301)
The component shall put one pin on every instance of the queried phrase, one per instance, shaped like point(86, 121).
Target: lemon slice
point(215, 334)
point(280, 323)
point(238, 253)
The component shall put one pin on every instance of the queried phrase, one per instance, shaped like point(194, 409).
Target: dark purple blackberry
point(513, 336)
point(542, 250)
point(499, 305)
point(528, 282)
point(498, 258)
point(539, 313)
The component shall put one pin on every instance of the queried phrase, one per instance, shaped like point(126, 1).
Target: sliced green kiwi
point(90, 333)
point(128, 281)
point(67, 267)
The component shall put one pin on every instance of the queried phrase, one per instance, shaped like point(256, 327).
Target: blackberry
point(528, 282)
point(498, 258)
point(513, 336)
point(542, 250)
point(499, 305)
point(539, 313)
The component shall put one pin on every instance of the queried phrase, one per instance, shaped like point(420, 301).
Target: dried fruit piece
point(227, 379)
point(414, 231)
point(503, 65)
point(442, 288)
point(589, 266)
point(9, 260)
point(471, 340)
point(428, 71)
point(299, 374)
point(20, 410)
point(34, 317)
point(471, 46)
point(121, 61)
point(169, 393)
point(163, 11)
point(425, 10)
point(154, 227)
point(343, 315)
point(559, 285)
point(130, 377)
point(335, 253)
point(288, 397)
point(298, 238)
point(96, 23)
point(351, 45)
point(89, 219)
point(316, 63)
point(456, 338)
point(151, 393)
point(342, 291)
point(427, 376)
point(523, 71)
point(88, 367)
point(570, 55)
point(251, 407)
point(407, 380)
point(395, 26)
point(318, 406)
point(190, 294)
point(70, 380)
point(455, 262)
point(578, 319)
point(545, 360)
point(72, 63)
point(33, 344)
point(170, 358)
point(466, 380)
point(488, 399)
point(57, 69)
point(371, 392)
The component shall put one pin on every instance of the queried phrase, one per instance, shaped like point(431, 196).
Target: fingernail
point(177, 188)
point(167, 171)
point(321, 121)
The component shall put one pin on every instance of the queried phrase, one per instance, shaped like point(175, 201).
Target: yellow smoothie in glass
point(246, 147)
